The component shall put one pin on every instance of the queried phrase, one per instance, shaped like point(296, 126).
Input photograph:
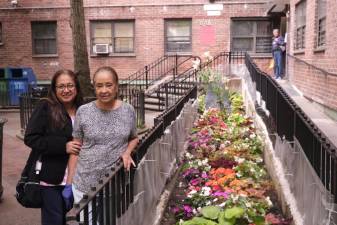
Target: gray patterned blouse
point(105, 136)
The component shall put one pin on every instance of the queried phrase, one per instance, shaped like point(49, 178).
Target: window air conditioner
point(101, 48)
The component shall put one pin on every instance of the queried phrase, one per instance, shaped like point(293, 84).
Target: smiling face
point(105, 87)
point(65, 89)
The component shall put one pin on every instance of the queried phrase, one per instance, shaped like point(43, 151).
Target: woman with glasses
point(107, 130)
point(49, 135)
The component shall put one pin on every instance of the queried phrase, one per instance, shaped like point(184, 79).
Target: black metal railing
point(168, 65)
point(112, 196)
point(169, 92)
point(290, 121)
point(106, 202)
point(134, 97)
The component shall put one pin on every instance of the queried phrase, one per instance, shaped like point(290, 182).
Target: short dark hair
point(106, 69)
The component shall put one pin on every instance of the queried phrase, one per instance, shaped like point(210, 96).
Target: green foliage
point(199, 221)
point(210, 212)
point(235, 212)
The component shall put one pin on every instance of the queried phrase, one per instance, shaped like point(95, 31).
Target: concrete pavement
point(15, 154)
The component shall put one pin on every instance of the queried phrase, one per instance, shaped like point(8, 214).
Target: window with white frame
point(44, 38)
point(251, 35)
point(321, 23)
point(300, 17)
point(118, 35)
point(178, 35)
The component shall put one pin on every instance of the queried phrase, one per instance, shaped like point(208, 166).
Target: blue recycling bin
point(23, 72)
point(17, 87)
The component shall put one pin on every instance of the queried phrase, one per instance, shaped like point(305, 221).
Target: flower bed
point(223, 180)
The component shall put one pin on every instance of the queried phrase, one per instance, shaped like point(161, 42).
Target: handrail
point(118, 181)
point(311, 65)
point(294, 123)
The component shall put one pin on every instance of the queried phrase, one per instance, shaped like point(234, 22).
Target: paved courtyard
point(15, 154)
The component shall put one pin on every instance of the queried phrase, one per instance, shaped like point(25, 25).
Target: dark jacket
point(48, 142)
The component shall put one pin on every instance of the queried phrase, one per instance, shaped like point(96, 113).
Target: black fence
point(169, 92)
point(106, 202)
point(134, 97)
point(290, 121)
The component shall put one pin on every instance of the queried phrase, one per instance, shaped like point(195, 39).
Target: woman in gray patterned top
point(107, 130)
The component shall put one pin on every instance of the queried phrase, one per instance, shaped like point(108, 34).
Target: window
point(300, 17)
point(44, 38)
point(1, 42)
point(321, 22)
point(178, 35)
point(117, 34)
point(251, 35)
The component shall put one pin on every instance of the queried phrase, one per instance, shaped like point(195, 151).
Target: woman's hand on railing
point(127, 160)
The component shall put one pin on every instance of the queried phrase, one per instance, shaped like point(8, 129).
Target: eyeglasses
point(62, 87)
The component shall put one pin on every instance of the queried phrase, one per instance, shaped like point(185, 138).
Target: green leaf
point(211, 212)
point(223, 221)
point(259, 220)
point(235, 212)
point(199, 221)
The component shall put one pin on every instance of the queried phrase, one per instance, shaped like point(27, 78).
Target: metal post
point(146, 77)
point(175, 71)
point(141, 119)
point(2, 122)
point(166, 96)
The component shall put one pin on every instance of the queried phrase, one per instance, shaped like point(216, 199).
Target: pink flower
point(220, 194)
point(204, 175)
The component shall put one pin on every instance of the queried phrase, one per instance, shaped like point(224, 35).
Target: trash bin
point(17, 87)
point(4, 94)
point(2, 122)
point(23, 72)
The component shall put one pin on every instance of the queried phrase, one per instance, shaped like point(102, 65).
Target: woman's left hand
point(127, 160)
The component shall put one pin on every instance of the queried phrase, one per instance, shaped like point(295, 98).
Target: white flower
point(205, 191)
point(259, 160)
point(208, 202)
point(199, 209)
point(239, 160)
point(269, 202)
point(216, 199)
point(188, 155)
point(253, 135)
point(222, 204)
point(180, 184)
point(191, 193)
point(235, 198)
point(181, 221)
point(248, 204)
point(194, 211)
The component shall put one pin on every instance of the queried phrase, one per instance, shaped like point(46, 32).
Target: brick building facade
point(138, 32)
point(37, 34)
point(312, 60)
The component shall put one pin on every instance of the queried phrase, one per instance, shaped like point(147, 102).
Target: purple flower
point(204, 175)
point(220, 194)
point(175, 209)
point(195, 181)
point(187, 209)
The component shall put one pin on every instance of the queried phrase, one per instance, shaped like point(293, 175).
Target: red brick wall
point(149, 30)
point(313, 83)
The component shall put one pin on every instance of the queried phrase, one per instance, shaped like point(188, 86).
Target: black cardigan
point(48, 142)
